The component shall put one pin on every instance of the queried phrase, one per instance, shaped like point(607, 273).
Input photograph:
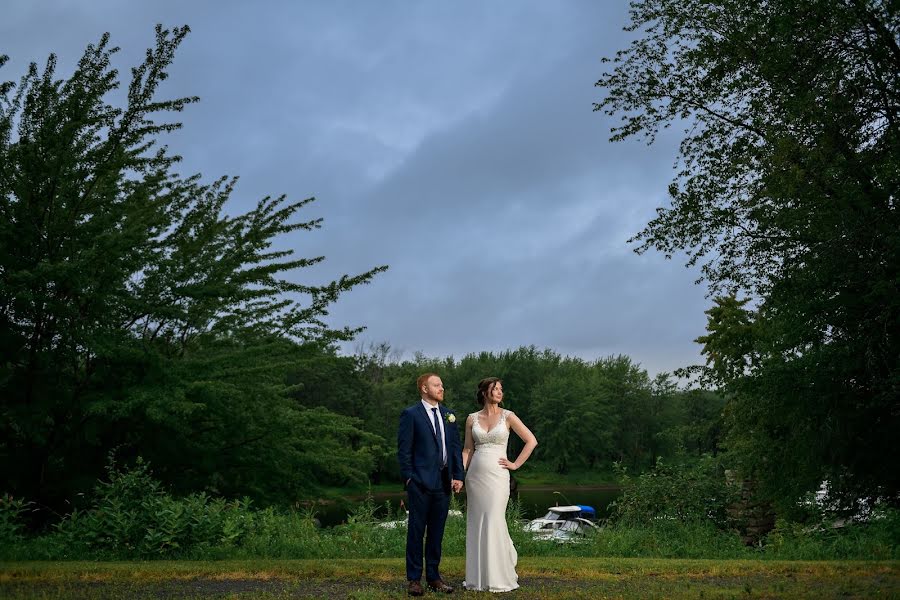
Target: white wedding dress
point(490, 555)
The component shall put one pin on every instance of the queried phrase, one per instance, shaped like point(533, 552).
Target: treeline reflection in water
point(533, 502)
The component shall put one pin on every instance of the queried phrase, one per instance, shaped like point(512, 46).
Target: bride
point(490, 554)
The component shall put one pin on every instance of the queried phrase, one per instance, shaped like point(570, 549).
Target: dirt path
point(648, 586)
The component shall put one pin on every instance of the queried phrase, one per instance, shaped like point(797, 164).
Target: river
point(534, 501)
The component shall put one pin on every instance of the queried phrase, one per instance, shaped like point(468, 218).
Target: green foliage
point(572, 404)
point(136, 314)
point(12, 522)
point(669, 539)
point(697, 428)
point(276, 535)
point(585, 414)
point(238, 430)
point(728, 347)
point(787, 193)
point(876, 539)
point(682, 493)
point(590, 414)
point(132, 517)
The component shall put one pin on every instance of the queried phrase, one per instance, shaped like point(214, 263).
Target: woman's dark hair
point(484, 387)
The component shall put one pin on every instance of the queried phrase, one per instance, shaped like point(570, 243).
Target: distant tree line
point(586, 415)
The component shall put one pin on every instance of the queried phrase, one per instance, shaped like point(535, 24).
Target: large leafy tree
point(136, 313)
point(787, 193)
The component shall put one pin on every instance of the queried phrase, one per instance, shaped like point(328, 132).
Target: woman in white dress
point(490, 554)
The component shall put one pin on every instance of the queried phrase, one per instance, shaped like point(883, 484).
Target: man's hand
point(456, 485)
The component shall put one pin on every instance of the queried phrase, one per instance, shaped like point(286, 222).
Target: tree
point(133, 311)
point(787, 191)
point(638, 407)
point(697, 430)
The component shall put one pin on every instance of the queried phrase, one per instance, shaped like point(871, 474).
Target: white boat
point(563, 523)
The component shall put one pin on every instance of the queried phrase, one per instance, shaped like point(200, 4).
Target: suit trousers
point(427, 518)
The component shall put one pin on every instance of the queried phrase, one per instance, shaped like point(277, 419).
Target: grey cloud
point(454, 142)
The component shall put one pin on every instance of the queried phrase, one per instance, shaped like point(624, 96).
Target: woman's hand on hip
point(508, 464)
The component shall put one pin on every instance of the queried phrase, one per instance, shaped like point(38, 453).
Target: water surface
point(534, 501)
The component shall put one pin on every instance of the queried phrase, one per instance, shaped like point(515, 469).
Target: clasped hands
point(456, 485)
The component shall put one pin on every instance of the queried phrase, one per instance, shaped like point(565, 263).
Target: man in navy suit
point(430, 455)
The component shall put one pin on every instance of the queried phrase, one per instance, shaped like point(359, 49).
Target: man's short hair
point(423, 379)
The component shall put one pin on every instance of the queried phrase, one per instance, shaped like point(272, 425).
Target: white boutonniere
point(450, 417)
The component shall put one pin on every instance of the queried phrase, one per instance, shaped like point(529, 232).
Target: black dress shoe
point(439, 586)
point(415, 589)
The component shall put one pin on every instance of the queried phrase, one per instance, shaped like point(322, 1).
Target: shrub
point(133, 517)
point(11, 521)
point(685, 493)
point(876, 539)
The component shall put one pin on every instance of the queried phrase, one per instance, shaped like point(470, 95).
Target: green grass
point(295, 537)
point(540, 577)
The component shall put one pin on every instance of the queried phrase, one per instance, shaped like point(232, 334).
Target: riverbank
point(540, 577)
point(539, 476)
point(531, 500)
point(536, 480)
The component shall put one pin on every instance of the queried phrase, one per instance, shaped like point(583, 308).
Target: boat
point(564, 523)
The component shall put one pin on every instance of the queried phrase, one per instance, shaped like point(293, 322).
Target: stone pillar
point(749, 516)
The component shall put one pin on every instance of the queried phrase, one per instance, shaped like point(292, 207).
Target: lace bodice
point(498, 436)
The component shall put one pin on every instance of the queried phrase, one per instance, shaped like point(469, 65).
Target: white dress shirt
point(440, 419)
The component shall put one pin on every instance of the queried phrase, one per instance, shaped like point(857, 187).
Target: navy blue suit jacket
point(418, 452)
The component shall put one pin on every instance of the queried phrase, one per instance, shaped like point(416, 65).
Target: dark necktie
point(437, 433)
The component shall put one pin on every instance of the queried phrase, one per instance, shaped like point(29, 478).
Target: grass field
point(383, 578)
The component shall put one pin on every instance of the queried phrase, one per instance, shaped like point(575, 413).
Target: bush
point(132, 517)
point(684, 493)
point(11, 521)
point(876, 539)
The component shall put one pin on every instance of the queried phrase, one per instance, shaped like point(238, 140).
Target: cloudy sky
point(454, 142)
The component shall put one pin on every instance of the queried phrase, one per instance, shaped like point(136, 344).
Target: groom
point(430, 456)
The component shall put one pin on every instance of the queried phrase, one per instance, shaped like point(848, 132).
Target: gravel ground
point(531, 587)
